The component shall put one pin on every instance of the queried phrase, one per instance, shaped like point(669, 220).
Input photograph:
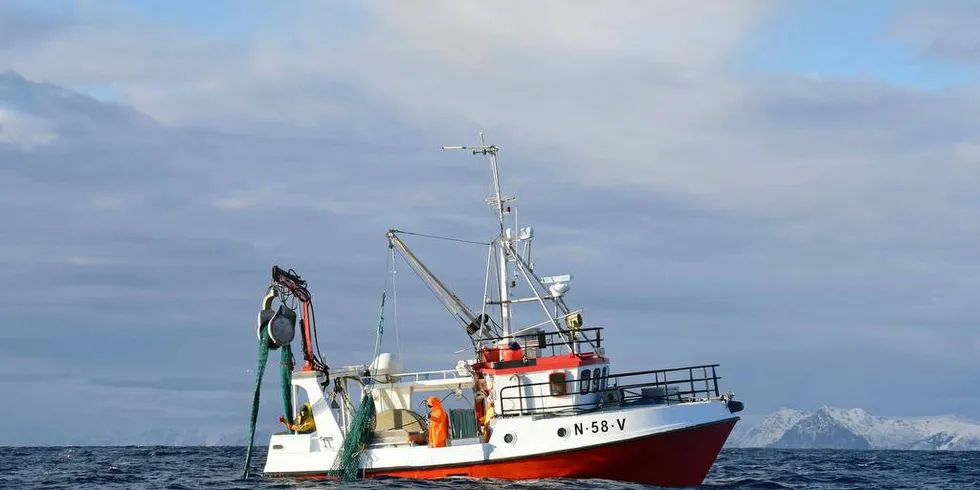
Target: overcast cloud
point(814, 232)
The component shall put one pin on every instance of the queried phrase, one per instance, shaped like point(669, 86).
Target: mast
point(502, 242)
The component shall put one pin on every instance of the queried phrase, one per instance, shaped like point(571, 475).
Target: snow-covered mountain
point(769, 430)
point(836, 428)
point(819, 431)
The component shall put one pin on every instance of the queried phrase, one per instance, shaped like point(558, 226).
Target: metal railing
point(444, 374)
point(668, 386)
point(585, 340)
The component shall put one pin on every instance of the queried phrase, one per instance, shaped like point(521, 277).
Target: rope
point(437, 237)
point(347, 464)
point(313, 333)
point(381, 327)
point(432, 290)
point(286, 364)
point(348, 461)
point(394, 299)
point(260, 370)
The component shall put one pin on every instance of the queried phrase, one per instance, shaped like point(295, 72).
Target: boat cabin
point(542, 372)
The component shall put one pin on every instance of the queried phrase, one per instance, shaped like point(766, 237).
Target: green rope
point(347, 465)
point(286, 364)
point(381, 326)
point(260, 370)
point(361, 429)
point(285, 374)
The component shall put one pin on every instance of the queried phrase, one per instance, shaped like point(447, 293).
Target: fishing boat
point(539, 398)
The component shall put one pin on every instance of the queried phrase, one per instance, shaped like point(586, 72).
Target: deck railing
point(584, 340)
point(667, 386)
point(444, 374)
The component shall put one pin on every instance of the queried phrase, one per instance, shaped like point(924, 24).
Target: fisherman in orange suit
point(438, 423)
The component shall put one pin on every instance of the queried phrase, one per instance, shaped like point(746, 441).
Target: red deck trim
point(551, 363)
point(676, 458)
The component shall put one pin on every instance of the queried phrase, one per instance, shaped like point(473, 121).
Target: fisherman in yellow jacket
point(304, 420)
point(487, 417)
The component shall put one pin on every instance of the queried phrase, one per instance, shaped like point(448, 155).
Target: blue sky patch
point(843, 39)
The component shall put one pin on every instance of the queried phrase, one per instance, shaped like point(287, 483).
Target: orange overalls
point(438, 423)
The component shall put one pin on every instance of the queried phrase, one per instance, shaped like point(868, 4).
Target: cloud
point(944, 31)
point(782, 225)
point(20, 28)
point(25, 132)
point(668, 31)
point(673, 117)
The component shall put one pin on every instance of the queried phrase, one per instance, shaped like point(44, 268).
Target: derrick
point(276, 329)
point(286, 284)
point(476, 324)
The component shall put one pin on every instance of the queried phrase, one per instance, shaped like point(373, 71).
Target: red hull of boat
point(671, 459)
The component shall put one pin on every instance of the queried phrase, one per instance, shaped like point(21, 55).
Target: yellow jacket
point(305, 422)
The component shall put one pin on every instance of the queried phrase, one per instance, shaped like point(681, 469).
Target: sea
point(220, 468)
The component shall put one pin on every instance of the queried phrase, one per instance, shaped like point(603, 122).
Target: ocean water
point(219, 468)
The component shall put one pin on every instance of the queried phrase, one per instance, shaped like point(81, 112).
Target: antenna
point(484, 148)
point(503, 240)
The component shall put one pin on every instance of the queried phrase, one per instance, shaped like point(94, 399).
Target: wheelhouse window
point(605, 377)
point(596, 378)
point(584, 381)
point(559, 386)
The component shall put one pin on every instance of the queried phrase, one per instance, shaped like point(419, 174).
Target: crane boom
point(474, 322)
point(296, 285)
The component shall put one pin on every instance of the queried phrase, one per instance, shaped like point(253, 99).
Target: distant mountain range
point(836, 428)
point(175, 437)
point(826, 428)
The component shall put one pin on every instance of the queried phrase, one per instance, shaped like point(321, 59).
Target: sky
point(785, 188)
